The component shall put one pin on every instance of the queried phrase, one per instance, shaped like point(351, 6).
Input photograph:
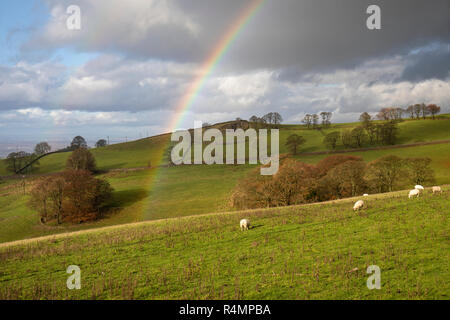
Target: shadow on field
point(126, 198)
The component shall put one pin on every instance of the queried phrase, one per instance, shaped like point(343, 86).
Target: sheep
point(413, 192)
point(244, 224)
point(358, 205)
point(365, 195)
point(436, 189)
point(418, 187)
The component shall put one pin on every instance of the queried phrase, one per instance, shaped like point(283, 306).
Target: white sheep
point(358, 205)
point(418, 187)
point(365, 195)
point(413, 192)
point(244, 224)
point(436, 189)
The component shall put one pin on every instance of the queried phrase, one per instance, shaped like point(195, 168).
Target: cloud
point(310, 34)
point(294, 57)
point(431, 63)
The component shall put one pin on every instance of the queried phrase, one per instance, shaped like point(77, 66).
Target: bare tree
point(433, 109)
point(307, 119)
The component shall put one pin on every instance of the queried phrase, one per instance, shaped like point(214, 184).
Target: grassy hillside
point(318, 251)
point(141, 153)
point(188, 190)
point(139, 195)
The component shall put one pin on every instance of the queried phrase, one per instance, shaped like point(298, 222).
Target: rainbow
point(211, 62)
point(207, 67)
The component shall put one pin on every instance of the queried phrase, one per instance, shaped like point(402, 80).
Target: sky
point(122, 74)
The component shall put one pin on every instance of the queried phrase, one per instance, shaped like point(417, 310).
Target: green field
point(315, 251)
point(148, 151)
point(188, 190)
point(318, 251)
point(139, 195)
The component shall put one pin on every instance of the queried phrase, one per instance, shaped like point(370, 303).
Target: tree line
point(415, 111)
point(334, 177)
point(312, 120)
point(16, 162)
point(269, 120)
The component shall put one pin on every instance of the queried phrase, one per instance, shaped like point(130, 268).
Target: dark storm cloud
point(307, 34)
point(434, 64)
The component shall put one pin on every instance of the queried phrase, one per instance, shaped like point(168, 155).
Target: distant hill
point(148, 151)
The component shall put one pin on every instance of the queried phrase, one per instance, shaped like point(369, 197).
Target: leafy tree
point(420, 171)
point(433, 109)
point(101, 143)
point(81, 159)
point(78, 142)
point(42, 148)
point(359, 137)
point(347, 139)
point(386, 173)
point(294, 142)
point(388, 133)
point(331, 140)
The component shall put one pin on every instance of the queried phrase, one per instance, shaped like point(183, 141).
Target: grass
point(318, 251)
point(174, 191)
point(188, 190)
point(139, 195)
point(144, 152)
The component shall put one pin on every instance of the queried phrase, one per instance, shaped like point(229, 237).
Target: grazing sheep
point(413, 192)
point(245, 224)
point(418, 187)
point(358, 205)
point(436, 189)
point(365, 195)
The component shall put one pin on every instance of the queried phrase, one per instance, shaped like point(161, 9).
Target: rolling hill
point(149, 194)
